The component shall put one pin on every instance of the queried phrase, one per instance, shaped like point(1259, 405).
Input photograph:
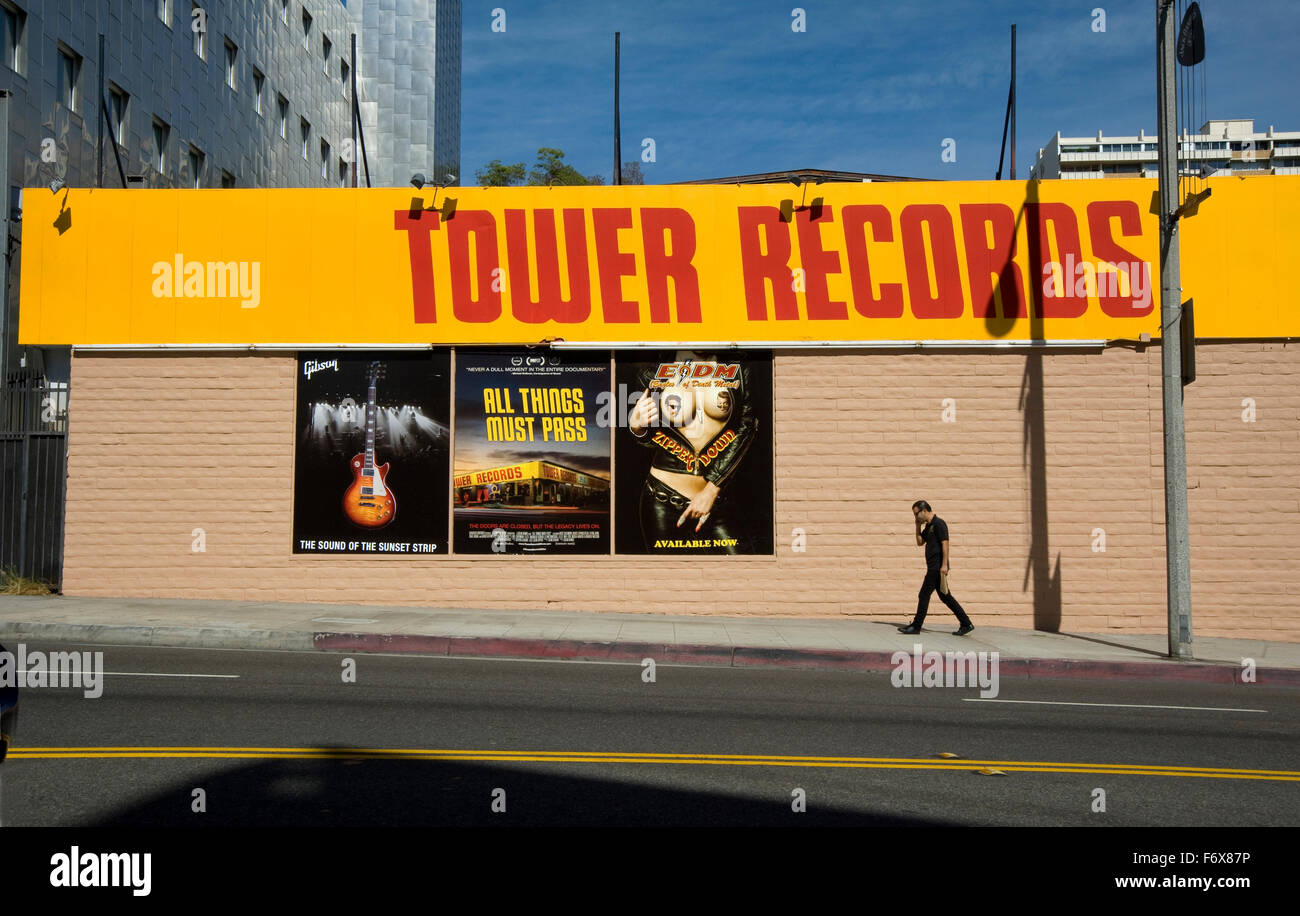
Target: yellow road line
point(498, 756)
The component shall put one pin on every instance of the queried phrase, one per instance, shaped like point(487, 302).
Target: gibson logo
point(312, 366)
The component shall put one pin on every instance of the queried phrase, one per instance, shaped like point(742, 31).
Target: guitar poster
point(532, 468)
point(372, 453)
point(694, 453)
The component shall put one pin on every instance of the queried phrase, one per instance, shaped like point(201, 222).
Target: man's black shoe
point(910, 628)
point(963, 629)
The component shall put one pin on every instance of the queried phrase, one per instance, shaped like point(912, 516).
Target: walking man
point(932, 532)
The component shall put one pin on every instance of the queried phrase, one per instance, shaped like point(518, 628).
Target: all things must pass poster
point(373, 453)
point(532, 464)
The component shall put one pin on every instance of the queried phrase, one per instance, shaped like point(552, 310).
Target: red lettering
point(656, 222)
point(612, 264)
point(946, 300)
point(889, 304)
point(1065, 229)
point(817, 264)
point(480, 224)
point(983, 260)
point(758, 267)
point(1100, 214)
point(549, 305)
point(418, 227)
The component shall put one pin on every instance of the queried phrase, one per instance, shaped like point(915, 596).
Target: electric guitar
point(368, 502)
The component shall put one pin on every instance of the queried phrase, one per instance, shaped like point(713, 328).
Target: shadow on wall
point(388, 793)
point(1046, 578)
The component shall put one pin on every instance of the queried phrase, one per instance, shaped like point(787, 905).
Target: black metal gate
point(33, 475)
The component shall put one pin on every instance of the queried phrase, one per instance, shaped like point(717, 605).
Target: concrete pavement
point(847, 643)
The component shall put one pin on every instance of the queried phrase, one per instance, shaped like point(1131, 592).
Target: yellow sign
point(942, 261)
point(529, 470)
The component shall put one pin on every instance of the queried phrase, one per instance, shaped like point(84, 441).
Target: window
point(282, 110)
point(199, 25)
point(343, 173)
point(306, 134)
point(232, 57)
point(160, 134)
point(12, 22)
point(117, 100)
point(284, 11)
point(165, 11)
point(346, 75)
point(324, 162)
point(69, 72)
point(196, 167)
point(306, 30)
point(227, 179)
point(326, 47)
point(259, 81)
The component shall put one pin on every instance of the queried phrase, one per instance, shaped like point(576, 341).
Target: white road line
point(1111, 705)
point(135, 674)
point(160, 674)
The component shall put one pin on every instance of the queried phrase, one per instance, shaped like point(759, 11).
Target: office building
point(1219, 148)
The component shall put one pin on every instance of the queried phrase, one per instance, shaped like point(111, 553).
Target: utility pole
point(618, 133)
point(1009, 121)
point(1013, 102)
point(99, 143)
point(1177, 560)
point(352, 74)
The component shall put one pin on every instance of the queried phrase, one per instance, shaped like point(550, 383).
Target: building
point(917, 353)
point(1219, 148)
point(799, 176)
point(199, 94)
point(409, 86)
point(223, 94)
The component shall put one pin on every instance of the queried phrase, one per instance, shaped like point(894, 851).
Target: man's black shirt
point(934, 534)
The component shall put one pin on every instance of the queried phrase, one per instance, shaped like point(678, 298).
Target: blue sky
point(729, 88)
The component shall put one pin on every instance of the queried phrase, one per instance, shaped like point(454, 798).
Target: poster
point(694, 453)
point(532, 468)
point(373, 449)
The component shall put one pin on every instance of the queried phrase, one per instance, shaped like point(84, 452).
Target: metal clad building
point(410, 88)
point(196, 85)
point(223, 93)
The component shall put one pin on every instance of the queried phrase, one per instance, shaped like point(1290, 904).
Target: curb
point(175, 637)
point(631, 652)
point(755, 657)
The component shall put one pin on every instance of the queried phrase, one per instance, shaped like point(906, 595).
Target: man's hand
point(701, 505)
point(944, 569)
point(644, 415)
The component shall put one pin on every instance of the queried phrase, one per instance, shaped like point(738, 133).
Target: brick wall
point(1043, 449)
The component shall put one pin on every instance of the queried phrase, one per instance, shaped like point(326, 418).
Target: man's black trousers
point(930, 586)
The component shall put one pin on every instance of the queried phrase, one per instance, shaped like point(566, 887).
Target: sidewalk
point(841, 643)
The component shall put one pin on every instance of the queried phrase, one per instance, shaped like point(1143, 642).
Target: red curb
point(758, 657)
point(840, 659)
point(378, 642)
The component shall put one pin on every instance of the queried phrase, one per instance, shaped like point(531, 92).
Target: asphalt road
point(459, 733)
